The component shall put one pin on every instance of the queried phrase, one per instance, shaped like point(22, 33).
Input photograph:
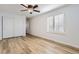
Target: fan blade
point(24, 10)
point(24, 5)
point(35, 6)
point(36, 10)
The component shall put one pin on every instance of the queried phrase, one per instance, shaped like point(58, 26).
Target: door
point(7, 26)
point(19, 26)
point(14, 26)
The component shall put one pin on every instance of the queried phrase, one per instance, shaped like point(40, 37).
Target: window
point(59, 23)
point(55, 23)
point(50, 24)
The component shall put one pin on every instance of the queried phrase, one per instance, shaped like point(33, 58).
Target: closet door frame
point(2, 27)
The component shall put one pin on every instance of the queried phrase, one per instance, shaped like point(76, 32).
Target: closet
point(12, 26)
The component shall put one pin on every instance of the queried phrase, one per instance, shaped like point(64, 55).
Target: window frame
point(63, 22)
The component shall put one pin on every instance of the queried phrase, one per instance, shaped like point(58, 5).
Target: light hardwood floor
point(32, 45)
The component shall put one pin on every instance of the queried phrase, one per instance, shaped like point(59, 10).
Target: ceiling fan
point(30, 8)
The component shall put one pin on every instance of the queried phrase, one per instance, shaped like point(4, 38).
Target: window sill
point(61, 33)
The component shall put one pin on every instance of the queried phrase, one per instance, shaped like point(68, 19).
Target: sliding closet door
point(7, 26)
point(0, 27)
point(19, 26)
point(14, 26)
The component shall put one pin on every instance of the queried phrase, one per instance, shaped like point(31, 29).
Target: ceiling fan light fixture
point(30, 10)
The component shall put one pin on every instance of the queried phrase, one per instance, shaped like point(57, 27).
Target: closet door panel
point(19, 26)
point(7, 26)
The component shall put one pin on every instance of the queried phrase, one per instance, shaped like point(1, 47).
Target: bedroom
point(53, 28)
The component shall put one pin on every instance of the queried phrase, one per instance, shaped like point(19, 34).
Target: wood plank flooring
point(32, 45)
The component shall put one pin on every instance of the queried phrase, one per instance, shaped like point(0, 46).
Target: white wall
point(71, 35)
